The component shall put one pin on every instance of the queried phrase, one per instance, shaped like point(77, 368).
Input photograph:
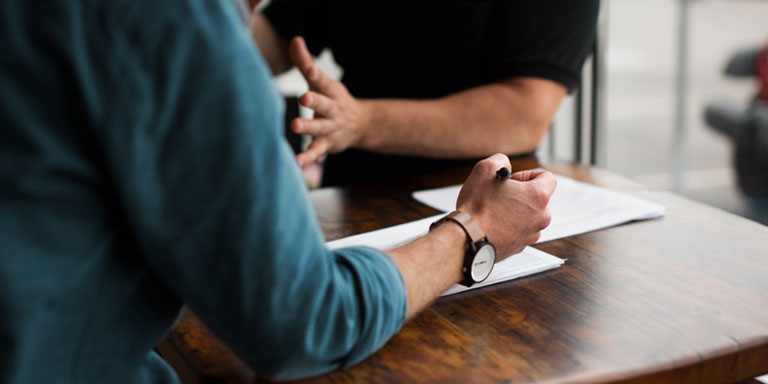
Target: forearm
point(430, 265)
point(505, 117)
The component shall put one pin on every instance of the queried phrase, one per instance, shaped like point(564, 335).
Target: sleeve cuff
point(383, 288)
point(545, 71)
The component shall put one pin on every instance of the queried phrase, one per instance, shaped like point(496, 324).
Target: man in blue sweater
point(142, 168)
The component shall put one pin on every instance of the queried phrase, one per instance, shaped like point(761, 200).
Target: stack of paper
point(576, 208)
point(525, 263)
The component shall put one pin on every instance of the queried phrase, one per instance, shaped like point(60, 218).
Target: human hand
point(339, 117)
point(512, 212)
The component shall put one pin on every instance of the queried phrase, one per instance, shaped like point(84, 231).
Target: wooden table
point(679, 299)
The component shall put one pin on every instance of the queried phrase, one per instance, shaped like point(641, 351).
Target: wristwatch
point(480, 254)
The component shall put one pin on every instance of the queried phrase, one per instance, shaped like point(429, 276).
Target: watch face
point(483, 262)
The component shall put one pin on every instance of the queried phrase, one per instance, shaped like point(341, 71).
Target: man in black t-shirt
point(427, 83)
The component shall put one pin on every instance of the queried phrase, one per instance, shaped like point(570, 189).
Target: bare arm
point(430, 265)
point(509, 116)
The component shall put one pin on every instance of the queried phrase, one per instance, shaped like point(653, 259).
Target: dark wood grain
point(681, 299)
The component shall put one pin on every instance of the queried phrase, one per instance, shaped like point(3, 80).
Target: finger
point(532, 239)
point(523, 175)
point(317, 149)
point(314, 127)
point(541, 188)
point(544, 180)
point(322, 83)
point(319, 103)
point(500, 160)
point(546, 219)
point(300, 55)
point(489, 165)
point(317, 79)
point(530, 174)
point(313, 174)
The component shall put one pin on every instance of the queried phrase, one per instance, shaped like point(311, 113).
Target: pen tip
point(503, 173)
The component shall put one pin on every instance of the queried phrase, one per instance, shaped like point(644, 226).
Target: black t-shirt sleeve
point(547, 39)
point(304, 18)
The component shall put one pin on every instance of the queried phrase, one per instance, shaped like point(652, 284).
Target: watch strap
point(464, 220)
point(475, 237)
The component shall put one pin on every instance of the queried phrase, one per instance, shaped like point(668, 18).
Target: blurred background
point(640, 101)
point(661, 63)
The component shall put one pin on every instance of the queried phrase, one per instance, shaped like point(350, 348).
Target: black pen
point(503, 174)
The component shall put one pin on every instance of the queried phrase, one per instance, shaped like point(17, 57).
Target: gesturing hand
point(339, 117)
point(513, 212)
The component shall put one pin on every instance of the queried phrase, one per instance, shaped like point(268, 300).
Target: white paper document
point(525, 263)
point(576, 207)
point(528, 262)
